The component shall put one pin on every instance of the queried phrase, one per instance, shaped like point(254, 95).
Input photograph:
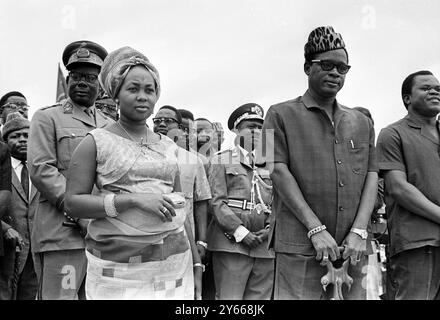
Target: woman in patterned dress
point(137, 245)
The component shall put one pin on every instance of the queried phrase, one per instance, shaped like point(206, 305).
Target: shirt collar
point(91, 108)
point(15, 163)
point(414, 121)
point(309, 103)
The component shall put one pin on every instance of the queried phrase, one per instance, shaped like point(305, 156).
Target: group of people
point(95, 204)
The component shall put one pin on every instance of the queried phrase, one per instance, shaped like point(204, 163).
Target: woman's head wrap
point(116, 66)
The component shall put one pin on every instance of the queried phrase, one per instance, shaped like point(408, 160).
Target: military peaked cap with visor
point(248, 111)
point(83, 51)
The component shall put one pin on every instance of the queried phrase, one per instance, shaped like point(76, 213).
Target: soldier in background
point(241, 199)
point(55, 131)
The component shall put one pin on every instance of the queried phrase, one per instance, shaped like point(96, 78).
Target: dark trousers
point(240, 277)
point(298, 277)
point(61, 274)
point(208, 287)
point(415, 274)
point(27, 282)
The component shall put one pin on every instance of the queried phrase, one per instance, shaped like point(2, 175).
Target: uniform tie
point(250, 157)
point(25, 179)
point(89, 112)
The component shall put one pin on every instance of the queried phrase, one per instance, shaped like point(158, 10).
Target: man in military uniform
point(55, 131)
point(241, 198)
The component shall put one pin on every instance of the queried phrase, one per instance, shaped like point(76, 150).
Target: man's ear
point(407, 99)
point(307, 67)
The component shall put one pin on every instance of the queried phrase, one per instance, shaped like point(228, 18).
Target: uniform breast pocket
point(67, 140)
point(359, 155)
point(237, 181)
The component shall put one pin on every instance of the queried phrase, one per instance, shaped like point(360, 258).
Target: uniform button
point(339, 161)
point(341, 184)
point(336, 141)
point(73, 134)
point(341, 208)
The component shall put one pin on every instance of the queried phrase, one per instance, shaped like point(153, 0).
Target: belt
point(241, 204)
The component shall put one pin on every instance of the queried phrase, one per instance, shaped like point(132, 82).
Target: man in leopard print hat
point(324, 173)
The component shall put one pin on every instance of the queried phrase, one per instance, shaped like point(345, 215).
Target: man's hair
point(186, 114)
point(178, 115)
point(204, 119)
point(408, 83)
point(10, 94)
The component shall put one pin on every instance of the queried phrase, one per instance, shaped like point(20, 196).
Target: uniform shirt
point(407, 146)
point(329, 161)
point(230, 177)
point(54, 134)
point(241, 232)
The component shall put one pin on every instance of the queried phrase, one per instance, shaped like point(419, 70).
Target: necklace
point(129, 135)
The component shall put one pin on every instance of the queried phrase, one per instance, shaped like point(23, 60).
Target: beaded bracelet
point(109, 205)
point(315, 231)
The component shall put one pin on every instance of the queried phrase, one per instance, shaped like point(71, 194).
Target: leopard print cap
point(323, 39)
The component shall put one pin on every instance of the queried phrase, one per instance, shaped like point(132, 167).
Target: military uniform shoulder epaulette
point(52, 106)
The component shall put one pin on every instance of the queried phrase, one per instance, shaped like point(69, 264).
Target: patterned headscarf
point(116, 66)
point(323, 39)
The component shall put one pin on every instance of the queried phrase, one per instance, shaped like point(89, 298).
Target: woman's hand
point(155, 204)
point(198, 273)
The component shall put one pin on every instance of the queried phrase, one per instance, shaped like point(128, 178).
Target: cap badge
point(257, 110)
point(83, 53)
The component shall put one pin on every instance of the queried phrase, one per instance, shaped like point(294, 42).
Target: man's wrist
point(316, 230)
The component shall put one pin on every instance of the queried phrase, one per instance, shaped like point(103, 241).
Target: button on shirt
point(407, 146)
point(329, 161)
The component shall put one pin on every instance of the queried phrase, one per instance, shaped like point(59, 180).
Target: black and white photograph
point(233, 153)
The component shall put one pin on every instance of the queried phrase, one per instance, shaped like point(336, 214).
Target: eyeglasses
point(327, 65)
point(88, 77)
point(167, 121)
point(16, 106)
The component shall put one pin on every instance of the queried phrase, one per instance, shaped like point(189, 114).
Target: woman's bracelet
point(109, 206)
point(200, 265)
point(316, 230)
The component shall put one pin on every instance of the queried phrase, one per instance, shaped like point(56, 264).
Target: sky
point(214, 56)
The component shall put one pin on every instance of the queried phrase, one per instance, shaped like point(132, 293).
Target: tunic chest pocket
point(359, 155)
point(237, 179)
point(67, 140)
